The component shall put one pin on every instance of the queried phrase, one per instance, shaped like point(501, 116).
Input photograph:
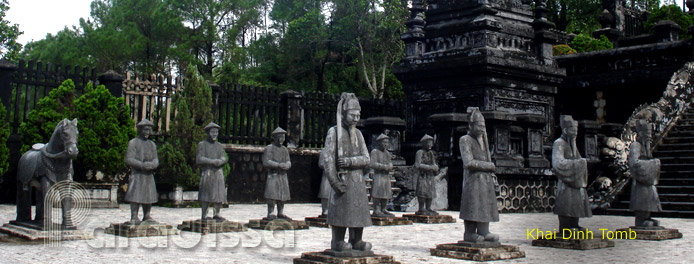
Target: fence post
point(7, 70)
point(292, 117)
point(113, 82)
point(216, 89)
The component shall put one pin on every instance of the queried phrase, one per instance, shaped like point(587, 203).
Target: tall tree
point(67, 47)
point(9, 48)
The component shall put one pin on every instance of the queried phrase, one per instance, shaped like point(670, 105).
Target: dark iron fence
point(248, 114)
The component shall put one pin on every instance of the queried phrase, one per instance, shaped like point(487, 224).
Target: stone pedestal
point(427, 219)
point(577, 244)
point(145, 229)
point(211, 226)
point(317, 221)
point(277, 224)
point(26, 232)
point(649, 233)
point(326, 257)
point(484, 251)
point(387, 221)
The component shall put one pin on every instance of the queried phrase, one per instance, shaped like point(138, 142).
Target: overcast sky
point(39, 17)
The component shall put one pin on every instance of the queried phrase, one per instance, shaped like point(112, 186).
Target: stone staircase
point(676, 185)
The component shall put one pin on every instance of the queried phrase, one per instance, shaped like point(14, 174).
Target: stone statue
point(381, 165)
point(211, 159)
point(425, 164)
point(645, 171)
point(276, 162)
point(572, 173)
point(142, 158)
point(325, 189)
point(346, 158)
point(45, 165)
point(478, 200)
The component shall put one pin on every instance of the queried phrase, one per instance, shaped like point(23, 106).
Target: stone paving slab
point(406, 243)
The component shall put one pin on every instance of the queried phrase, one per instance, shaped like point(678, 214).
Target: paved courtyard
point(408, 244)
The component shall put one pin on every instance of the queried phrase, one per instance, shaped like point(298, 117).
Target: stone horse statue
point(43, 166)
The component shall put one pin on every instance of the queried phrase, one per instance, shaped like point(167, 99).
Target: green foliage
point(562, 49)
point(9, 48)
point(4, 150)
point(104, 124)
point(105, 128)
point(672, 13)
point(585, 43)
point(575, 16)
point(177, 156)
point(67, 47)
point(41, 121)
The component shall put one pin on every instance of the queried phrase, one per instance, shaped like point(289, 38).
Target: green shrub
point(104, 124)
point(41, 121)
point(4, 150)
point(105, 128)
point(562, 49)
point(585, 43)
point(673, 13)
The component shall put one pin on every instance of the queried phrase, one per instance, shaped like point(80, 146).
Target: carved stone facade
point(495, 55)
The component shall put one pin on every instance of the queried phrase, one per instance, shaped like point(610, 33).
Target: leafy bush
point(104, 124)
point(105, 128)
point(585, 43)
point(41, 121)
point(4, 150)
point(562, 49)
point(673, 13)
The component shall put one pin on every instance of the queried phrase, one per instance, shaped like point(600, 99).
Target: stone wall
point(246, 181)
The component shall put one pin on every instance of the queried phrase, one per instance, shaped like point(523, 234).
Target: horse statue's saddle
point(38, 166)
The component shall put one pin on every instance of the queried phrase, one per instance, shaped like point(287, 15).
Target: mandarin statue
point(211, 158)
point(276, 162)
point(572, 173)
point(346, 159)
point(478, 201)
point(141, 157)
point(381, 164)
point(427, 169)
point(645, 172)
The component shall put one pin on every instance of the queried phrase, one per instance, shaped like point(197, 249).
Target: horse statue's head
point(67, 132)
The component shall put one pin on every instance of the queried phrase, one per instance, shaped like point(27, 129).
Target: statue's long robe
point(645, 173)
point(141, 186)
point(380, 161)
point(478, 201)
point(351, 208)
point(572, 173)
point(212, 187)
point(276, 183)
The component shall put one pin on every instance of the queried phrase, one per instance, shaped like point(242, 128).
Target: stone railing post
point(666, 31)
point(216, 90)
point(292, 117)
point(113, 82)
point(7, 70)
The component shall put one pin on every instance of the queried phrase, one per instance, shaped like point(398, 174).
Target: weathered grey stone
point(276, 162)
point(477, 253)
point(346, 258)
point(430, 219)
point(650, 233)
point(277, 224)
point(141, 157)
point(47, 235)
point(144, 229)
point(212, 226)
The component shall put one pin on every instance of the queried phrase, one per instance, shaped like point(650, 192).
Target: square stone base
point(477, 251)
point(322, 257)
point(317, 221)
point(211, 226)
point(650, 233)
point(577, 244)
point(48, 235)
point(387, 221)
point(277, 224)
point(426, 219)
point(144, 229)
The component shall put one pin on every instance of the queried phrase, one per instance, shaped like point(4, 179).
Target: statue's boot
point(470, 234)
point(338, 239)
point(483, 230)
point(146, 209)
point(655, 222)
point(271, 217)
point(428, 207)
point(355, 238)
point(285, 217)
point(134, 209)
point(67, 214)
point(219, 218)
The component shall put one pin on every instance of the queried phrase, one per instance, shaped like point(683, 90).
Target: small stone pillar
point(544, 36)
point(534, 143)
point(113, 82)
point(292, 117)
point(587, 140)
point(666, 31)
point(447, 135)
point(499, 131)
